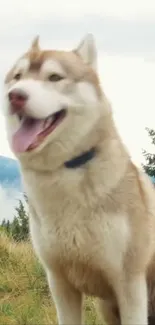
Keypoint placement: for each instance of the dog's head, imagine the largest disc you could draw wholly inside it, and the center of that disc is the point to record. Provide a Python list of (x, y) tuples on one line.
[(52, 97)]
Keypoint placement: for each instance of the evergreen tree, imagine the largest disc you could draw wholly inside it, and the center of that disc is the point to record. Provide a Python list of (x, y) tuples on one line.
[(19, 227), (149, 166), (20, 224), (8, 226), (3, 224)]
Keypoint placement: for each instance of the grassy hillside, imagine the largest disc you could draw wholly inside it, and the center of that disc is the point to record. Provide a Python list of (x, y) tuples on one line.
[(24, 294)]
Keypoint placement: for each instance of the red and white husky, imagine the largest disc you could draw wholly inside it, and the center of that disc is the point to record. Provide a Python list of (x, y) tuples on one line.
[(92, 212)]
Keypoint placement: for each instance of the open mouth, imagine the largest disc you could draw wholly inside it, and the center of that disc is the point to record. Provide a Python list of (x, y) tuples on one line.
[(33, 131)]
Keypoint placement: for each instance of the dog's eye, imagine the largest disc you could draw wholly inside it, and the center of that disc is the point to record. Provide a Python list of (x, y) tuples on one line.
[(17, 76), (55, 77)]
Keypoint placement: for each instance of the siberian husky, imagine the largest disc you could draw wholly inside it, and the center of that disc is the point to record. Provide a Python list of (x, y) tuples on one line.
[(92, 212)]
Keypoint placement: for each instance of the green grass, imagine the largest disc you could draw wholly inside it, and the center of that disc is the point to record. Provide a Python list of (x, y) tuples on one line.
[(24, 294)]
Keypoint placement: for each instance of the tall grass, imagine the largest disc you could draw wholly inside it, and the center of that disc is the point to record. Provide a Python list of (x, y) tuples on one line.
[(24, 295)]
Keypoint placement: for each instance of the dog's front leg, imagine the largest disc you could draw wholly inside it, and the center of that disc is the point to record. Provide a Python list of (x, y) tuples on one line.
[(108, 310), (132, 300), (68, 300)]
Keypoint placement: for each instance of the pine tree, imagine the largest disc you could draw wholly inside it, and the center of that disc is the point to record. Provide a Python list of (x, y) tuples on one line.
[(8, 226), (16, 229), (20, 224), (149, 166), (19, 227), (5, 226)]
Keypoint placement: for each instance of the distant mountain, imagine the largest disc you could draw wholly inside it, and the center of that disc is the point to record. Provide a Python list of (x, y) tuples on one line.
[(10, 174)]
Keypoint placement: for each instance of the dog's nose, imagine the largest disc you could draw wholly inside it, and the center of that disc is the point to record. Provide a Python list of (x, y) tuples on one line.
[(17, 99)]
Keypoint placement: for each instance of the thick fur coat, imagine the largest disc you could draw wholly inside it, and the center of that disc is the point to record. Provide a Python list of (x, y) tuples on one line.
[(93, 227)]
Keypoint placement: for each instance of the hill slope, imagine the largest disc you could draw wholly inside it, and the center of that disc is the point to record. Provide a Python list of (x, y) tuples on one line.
[(24, 293)]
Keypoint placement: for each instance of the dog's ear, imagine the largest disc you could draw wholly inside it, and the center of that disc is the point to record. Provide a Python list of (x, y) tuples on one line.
[(35, 44), (87, 51)]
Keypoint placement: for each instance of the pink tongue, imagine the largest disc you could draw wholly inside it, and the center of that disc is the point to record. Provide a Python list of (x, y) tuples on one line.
[(27, 134)]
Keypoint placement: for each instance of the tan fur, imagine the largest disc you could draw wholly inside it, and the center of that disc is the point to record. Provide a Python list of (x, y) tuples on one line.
[(92, 227)]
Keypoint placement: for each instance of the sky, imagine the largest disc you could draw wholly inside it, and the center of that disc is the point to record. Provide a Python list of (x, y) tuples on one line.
[(9, 199), (125, 38)]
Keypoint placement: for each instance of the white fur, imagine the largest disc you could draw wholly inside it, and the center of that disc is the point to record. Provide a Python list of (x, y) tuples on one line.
[(87, 51), (22, 66), (42, 101), (116, 230), (68, 300), (50, 67), (87, 93), (132, 295), (92, 227), (47, 98)]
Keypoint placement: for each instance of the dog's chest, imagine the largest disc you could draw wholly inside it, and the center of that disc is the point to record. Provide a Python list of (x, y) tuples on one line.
[(65, 237), (71, 229), (75, 247), (61, 211)]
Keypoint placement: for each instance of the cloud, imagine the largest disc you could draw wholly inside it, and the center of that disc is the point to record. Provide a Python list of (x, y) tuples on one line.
[(8, 201), (129, 84), (113, 34), (125, 34), (18, 10)]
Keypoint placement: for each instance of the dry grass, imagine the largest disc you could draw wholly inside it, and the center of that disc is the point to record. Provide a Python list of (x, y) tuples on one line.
[(24, 293)]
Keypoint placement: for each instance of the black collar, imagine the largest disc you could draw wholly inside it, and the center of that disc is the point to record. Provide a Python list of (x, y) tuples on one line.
[(81, 160)]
